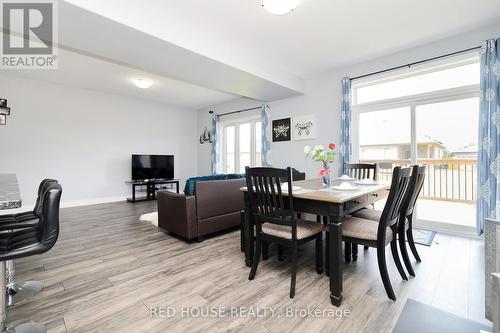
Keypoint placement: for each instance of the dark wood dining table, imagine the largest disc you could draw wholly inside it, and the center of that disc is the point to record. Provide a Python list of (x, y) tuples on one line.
[(333, 205)]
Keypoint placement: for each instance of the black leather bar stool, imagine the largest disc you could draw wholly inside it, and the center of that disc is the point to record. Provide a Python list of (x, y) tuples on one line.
[(17, 241), (24, 291)]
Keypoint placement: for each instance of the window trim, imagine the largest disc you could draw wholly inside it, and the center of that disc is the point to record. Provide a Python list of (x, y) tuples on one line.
[(465, 59), (410, 101), (253, 149)]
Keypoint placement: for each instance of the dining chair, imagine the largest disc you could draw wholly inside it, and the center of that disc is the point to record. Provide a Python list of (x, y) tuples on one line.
[(359, 171), (275, 218), (405, 231), (378, 235)]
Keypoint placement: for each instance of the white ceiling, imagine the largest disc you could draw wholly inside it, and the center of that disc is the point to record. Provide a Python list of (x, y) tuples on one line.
[(201, 53), (318, 35), (92, 73)]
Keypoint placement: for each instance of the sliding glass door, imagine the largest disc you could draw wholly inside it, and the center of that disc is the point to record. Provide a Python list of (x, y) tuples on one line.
[(427, 115)]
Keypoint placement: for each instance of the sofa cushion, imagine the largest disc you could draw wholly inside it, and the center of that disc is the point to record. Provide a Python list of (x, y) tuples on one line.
[(219, 197), (190, 187)]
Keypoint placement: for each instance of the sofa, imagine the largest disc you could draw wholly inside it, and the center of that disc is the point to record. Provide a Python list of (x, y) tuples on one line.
[(209, 204), (214, 207)]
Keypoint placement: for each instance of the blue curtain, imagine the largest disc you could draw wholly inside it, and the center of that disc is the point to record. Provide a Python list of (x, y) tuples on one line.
[(266, 143), (214, 153), (488, 162), (345, 152)]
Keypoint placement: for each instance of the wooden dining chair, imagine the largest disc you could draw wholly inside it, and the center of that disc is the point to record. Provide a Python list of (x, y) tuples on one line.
[(275, 219), (407, 210), (379, 235), (359, 171), (405, 231)]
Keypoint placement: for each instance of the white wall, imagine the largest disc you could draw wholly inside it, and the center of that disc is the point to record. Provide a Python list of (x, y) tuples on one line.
[(322, 98), (85, 138)]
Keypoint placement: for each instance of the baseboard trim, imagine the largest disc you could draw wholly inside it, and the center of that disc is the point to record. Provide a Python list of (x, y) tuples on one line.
[(68, 204), (94, 201), (447, 228)]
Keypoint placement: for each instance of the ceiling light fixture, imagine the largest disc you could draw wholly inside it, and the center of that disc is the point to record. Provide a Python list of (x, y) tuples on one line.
[(143, 83), (280, 7)]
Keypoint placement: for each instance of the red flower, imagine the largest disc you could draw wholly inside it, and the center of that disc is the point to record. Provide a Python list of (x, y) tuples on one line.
[(331, 146), (324, 172)]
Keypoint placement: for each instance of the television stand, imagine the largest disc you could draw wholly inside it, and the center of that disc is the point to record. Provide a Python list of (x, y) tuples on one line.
[(151, 188)]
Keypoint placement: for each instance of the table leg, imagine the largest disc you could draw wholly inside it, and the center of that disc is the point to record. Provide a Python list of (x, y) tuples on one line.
[(335, 259), (249, 236), (177, 185)]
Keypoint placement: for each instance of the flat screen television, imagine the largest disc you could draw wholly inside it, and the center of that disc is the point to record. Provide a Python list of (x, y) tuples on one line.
[(152, 167)]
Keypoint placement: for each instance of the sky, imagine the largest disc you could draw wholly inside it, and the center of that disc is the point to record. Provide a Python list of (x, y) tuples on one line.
[(455, 124)]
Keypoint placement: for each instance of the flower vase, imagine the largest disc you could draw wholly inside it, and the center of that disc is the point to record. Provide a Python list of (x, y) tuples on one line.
[(325, 176)]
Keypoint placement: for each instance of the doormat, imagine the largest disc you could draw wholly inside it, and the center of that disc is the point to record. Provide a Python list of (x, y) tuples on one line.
[(423, 237)]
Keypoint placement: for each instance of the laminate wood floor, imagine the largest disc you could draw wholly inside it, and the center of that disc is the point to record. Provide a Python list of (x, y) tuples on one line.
[(109, 272)]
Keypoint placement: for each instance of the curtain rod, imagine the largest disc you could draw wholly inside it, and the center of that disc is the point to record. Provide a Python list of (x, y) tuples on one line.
[(416, 63), (237, 111)]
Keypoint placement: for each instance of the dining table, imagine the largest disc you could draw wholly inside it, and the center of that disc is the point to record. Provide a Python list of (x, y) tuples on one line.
[(333, 205)]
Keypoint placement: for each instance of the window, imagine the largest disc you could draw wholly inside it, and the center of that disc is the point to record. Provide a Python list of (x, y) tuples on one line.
[(241, 142), (425, 115)]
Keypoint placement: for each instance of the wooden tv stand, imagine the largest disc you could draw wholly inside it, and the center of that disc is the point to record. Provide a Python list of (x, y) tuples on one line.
[(151, 188)]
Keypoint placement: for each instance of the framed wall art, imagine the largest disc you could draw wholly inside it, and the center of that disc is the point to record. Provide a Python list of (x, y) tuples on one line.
[(304, 127), (281, 130)]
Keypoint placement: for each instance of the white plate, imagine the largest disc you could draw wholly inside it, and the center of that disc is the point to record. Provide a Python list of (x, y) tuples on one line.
[(346, 179), (341, 188), (360, 182)]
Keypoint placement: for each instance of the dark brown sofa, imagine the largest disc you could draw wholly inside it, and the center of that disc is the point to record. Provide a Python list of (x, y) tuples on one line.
[(215, 207)]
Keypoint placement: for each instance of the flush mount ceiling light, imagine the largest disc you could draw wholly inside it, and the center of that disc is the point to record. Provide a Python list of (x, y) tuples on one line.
[(280, 7), (143, 83)]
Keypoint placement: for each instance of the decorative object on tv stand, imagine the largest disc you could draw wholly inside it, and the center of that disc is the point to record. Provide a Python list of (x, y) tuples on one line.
[(304, 127), (281, 130), (324, 155), (206, 136), (4, 111)]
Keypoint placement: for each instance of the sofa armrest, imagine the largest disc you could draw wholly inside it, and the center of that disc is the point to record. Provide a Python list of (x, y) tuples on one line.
[(177, 214)]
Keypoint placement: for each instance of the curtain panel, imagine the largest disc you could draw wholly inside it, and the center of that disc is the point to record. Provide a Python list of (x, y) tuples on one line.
[(265, 142), (345, 125), (214, 153), (488, 161)]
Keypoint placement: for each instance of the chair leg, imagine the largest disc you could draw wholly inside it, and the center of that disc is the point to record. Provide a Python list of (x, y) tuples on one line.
[(382, 266), (28, 327), (397, 261), (294, 270), (327, 245), (281, 251), (256, 258), (265, 250), (404, 253), (411, 243), (354, 252), (319, 253), (242, 230), (347, 252)]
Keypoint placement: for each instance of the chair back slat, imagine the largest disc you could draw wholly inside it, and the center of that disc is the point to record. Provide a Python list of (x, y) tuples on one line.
[(265, 193), (361, 171), (414, 188), (390, 214)]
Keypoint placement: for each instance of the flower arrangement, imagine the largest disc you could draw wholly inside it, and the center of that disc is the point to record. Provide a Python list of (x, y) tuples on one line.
[(325, 156)]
